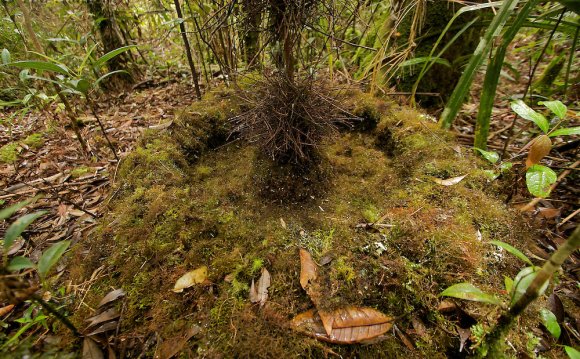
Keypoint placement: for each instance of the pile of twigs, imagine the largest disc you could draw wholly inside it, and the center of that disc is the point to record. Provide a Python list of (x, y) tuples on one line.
[(290, 119)]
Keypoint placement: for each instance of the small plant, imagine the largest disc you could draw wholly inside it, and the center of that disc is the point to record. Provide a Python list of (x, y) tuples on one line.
[(13, 287), (528, 284), (539, 178)]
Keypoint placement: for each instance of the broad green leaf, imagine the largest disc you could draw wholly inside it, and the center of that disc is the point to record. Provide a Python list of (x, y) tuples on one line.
[(41, 66), (9, 211), (468, 291), (557, 107), (18, 227), (512, 250), (572, 353), (522, 281), (508, 283), (5, 56), (19, 263), (566, 132), (109, 55), (81, 85), (491, 156), (539, 179), (550, 322), (420, 60), (50, 257), (526, 112)]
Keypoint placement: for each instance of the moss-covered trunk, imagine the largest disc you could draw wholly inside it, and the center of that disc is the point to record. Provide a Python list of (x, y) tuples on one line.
[(440, 79)]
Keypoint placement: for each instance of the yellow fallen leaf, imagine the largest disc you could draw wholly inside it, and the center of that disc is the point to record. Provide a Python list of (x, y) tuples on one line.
[(190, 279), (449, 181)]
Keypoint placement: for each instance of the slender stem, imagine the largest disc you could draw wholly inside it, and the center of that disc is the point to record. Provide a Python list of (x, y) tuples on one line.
[(571, 59), (506, 320), (64, 320), (187, 49), (92, 107), (529, 84)]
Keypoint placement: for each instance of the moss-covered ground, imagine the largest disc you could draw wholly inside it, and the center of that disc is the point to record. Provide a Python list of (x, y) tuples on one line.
[(189, 196)]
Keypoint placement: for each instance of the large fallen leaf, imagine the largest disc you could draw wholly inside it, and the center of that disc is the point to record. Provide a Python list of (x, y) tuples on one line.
[(111, 297), (308, 269), (190, 279), (449, 181), (91, 350), (259, 293), (105, 316), (308, 277), (171, 347), (539, 149), (345, 325)]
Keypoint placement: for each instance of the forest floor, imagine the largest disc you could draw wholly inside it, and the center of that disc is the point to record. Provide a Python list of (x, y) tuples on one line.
[(78, 188)]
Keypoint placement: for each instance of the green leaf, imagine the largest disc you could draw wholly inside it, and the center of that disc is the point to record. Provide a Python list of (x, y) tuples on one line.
[(41, 66), (491, 156), (24, 75), (539, 179), (420, 60), (522, 281), (5, 56), (505, 166), (508, 283), (18, 227), (468, 291), (81, 85), (572, 353), (19, 263), (9, 211), (512, 250), (529, 114), (491, 174), (550, 322), (50, 257), (109, 55), (557, 107), (566, 132)]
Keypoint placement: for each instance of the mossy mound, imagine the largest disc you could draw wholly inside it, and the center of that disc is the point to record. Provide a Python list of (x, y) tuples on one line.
[(186, 198)]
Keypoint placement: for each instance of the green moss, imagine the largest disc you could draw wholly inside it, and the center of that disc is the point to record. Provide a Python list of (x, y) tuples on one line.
[(9, 152), (173, 213), (34, 141), (80, 171)]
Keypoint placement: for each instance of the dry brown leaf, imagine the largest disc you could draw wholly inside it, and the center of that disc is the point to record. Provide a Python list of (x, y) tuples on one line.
[(259, 293), (105, 316), (190, 279), (540, 148), (111, 297), (5, 310), (91, 350), (549, 213), (348, 325), (171, 347), (308, 269), (104, 328), (449, 181)]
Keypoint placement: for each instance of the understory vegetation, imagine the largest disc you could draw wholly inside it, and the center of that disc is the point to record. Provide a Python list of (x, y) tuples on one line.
[(289, 178)]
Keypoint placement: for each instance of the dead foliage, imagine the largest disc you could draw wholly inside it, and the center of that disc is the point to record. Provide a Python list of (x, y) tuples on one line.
[(289, 119)]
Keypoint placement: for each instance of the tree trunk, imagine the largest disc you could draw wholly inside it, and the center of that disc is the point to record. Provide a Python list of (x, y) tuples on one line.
[(105, 22), (251, 36)]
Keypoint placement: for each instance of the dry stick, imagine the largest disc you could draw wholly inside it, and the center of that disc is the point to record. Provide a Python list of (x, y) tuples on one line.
[(535, 201), (92, 107), (529, 84), (532, 292), (187, 49), (40, 50)]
